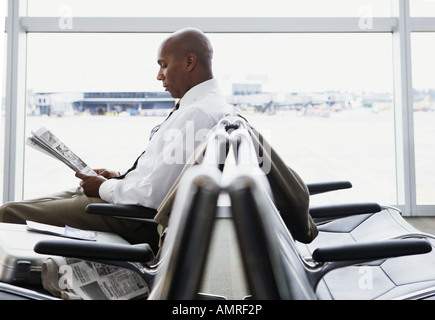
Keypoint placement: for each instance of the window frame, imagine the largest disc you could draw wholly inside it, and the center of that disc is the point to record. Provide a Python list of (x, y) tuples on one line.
[(400, 25)]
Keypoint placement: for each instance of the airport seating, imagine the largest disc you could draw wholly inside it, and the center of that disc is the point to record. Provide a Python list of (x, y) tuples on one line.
[(374, 255), (177, 273), (277, 266), (14, 292), (396, 268), (146, 215)]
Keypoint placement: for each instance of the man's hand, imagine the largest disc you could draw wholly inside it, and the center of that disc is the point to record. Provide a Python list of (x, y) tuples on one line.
[(91, 184), (107, 173)]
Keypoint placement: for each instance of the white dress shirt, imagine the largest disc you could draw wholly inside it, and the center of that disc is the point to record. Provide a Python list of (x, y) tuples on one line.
[(200, 110)]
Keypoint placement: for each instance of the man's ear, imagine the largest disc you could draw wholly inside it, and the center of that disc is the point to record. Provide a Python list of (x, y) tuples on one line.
[(191, 60)]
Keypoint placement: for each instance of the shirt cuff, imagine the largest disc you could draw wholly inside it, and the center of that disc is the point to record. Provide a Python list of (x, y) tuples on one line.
[(106, 190)]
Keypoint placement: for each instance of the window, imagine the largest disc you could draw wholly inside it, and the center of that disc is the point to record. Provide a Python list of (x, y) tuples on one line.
[(317, 54), (315, 95), (3, 72), (73, 78), (199, 8), (2, 119), (422, 8), (424, 115), (326, 105)]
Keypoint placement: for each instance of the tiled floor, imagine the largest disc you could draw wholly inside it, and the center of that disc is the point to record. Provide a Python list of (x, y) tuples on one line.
[(224, 272), (425, 224)]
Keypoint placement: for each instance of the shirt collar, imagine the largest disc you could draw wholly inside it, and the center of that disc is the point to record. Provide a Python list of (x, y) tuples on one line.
[(197, 91)]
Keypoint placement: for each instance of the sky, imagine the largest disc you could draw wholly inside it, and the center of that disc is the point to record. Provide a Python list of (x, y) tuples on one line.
[(282, 62)]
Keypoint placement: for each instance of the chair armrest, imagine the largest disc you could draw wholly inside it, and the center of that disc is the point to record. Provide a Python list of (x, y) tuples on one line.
[(321, 187), (343, 210), (121, 210), (372, 251), (95, 251)]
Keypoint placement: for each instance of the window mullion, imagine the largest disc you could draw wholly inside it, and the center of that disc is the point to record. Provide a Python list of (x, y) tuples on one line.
[(15, 110), (403, 97), (215, 25)]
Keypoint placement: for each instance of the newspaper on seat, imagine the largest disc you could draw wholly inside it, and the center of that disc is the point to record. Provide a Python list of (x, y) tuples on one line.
[(67, 231), (45, 141), (75, 279)]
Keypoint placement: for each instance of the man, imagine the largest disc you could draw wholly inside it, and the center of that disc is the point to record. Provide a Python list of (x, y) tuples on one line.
[(185, 60)]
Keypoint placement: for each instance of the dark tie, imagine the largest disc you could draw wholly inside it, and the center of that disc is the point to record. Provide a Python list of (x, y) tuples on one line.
[(153, 131), (157, 127)]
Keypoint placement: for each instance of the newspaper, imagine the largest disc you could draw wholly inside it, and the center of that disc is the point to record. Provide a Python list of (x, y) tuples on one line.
[(70, 278), (45, 141), (67, 231)]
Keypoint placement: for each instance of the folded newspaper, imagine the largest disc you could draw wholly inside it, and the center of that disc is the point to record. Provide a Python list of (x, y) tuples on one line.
[(74, 279), (67, 231), (45, 141)]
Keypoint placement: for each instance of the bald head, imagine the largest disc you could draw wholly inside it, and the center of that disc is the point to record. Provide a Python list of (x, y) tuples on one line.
[(190, 40), (186, 57)]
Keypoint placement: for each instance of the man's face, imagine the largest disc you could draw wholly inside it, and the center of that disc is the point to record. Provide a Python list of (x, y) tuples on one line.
[(172, 72)]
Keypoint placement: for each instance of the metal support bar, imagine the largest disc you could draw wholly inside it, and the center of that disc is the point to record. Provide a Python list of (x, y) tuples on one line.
[(15, 113), (217, 25), (403, 111)]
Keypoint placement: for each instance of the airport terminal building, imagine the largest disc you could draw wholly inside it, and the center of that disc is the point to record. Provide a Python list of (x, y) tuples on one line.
[(100, 103)]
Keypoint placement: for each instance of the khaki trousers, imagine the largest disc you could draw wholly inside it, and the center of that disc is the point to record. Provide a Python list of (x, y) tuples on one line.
[(68, 208)]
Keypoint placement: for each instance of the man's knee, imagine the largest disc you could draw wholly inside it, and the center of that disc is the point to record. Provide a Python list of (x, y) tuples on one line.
[(9, 213)]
